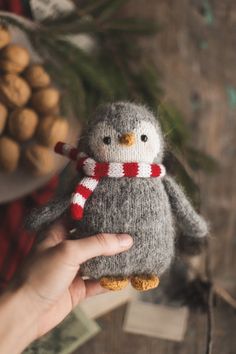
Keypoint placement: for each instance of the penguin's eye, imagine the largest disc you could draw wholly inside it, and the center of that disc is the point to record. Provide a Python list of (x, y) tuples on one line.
[(144, 138), (107, 140)]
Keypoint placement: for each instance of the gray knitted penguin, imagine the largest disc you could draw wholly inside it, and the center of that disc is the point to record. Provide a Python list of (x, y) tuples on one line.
[(123, 189)]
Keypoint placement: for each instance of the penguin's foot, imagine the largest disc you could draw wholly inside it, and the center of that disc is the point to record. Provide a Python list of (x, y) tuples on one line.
[(144, 282), (114, 283)]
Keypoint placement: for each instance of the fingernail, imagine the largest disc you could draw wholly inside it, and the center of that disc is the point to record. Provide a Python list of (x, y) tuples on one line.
[(125, 240)]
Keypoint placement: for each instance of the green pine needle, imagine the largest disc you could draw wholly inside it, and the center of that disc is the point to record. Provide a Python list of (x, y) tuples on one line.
[(198, 160), (173, 125)]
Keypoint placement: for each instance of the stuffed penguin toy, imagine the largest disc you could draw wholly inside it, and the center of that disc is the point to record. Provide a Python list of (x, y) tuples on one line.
[(122, 187)]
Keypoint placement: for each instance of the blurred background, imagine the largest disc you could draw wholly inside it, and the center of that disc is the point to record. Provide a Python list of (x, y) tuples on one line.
[(178, 57)]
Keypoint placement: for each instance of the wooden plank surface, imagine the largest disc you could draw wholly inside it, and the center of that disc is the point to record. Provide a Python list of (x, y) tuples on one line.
[(195, 54)]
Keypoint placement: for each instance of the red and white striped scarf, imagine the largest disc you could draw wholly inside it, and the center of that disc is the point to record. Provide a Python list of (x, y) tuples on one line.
[(94, 171)]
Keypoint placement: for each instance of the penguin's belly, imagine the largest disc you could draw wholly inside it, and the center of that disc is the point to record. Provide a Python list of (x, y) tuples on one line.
[(139, 207)]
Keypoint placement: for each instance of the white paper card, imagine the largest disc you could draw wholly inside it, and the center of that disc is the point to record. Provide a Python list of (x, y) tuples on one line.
[(156, 320), (97, 306)]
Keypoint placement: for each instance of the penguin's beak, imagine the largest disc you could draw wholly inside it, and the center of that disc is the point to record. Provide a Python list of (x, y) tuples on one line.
[(127, 139)]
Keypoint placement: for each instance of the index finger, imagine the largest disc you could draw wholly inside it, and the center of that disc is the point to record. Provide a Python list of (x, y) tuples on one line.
[(54, 235)]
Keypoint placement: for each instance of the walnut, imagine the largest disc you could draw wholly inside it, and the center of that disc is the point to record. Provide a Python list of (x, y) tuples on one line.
[(39, 160), (5, 36), (52, 129), (9, 154), (22, 123), (3, 117), (54, 111), (45, 100), (37, 77), (14, 91), (14, 59)]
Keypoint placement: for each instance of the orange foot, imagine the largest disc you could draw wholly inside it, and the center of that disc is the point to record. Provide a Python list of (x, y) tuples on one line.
[(144, 282), (114, 283)]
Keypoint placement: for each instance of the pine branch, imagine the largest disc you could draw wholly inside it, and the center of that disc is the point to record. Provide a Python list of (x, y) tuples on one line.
[(174, 126), (111, 9), (72, 25), (12, 20), (115, 71), (134, 26), (198, 160)]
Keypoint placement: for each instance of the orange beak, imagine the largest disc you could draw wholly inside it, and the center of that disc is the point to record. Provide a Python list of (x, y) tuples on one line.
[(127, 139)]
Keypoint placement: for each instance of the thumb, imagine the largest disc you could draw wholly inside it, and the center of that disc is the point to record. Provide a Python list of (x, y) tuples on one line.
[(79, 251)]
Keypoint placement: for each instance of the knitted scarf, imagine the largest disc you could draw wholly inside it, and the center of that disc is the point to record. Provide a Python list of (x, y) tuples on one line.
[(94, 171)]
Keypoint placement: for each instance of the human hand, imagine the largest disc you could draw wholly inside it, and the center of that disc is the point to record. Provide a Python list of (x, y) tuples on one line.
[(49, 282)]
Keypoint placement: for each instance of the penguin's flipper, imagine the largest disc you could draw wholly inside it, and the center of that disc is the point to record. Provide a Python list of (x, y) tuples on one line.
[(40, 218), (190, 222), (45, 215)]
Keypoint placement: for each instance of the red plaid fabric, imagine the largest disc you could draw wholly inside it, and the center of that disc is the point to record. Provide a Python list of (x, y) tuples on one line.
[(15, 242), (13, 6)]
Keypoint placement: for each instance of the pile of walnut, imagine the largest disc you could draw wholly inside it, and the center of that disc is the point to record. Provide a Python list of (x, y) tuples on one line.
[(29, 121)]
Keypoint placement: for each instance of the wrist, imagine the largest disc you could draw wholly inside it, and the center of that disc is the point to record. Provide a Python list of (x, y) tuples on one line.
[(18, 327)]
